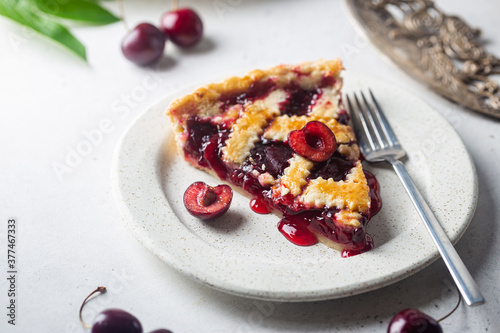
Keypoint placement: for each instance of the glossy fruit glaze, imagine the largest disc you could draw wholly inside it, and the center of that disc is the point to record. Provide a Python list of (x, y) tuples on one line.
[(299, 225), (259, 206)]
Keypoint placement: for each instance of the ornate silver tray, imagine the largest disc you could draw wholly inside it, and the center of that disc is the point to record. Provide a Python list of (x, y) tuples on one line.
[(438, 49)]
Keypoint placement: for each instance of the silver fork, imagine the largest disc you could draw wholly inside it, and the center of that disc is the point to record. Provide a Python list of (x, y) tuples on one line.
[(378, 142)]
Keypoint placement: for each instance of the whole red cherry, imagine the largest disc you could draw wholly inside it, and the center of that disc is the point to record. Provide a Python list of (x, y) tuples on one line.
[(144, 44), (116, 320), (413, 321), (183, 27)]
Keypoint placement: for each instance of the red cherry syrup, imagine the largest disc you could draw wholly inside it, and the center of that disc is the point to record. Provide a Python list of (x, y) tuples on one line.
[(259, 206), (297, 233)]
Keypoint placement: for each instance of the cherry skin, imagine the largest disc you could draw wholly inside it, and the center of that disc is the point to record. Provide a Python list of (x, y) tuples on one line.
[(207, 202), (116, 321), (413, 321), (144, 45), (182, 26), (161, 330), (314, 141)]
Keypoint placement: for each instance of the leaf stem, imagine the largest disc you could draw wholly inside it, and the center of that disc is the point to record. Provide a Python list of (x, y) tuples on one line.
[(99, 289)]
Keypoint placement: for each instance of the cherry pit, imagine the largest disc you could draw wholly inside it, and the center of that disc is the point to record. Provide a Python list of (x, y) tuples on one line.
[(145, 44)]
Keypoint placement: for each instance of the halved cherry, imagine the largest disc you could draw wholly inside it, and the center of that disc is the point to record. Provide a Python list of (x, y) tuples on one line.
[(314, 141), (207, 202)]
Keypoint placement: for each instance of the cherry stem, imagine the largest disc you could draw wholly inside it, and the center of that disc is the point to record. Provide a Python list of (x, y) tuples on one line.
[(175, 4), (454, 309), (121, 10), (98, 290)]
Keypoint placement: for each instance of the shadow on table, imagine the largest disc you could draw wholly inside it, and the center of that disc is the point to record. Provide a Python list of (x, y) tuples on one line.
[(167, 61), (207, 44)]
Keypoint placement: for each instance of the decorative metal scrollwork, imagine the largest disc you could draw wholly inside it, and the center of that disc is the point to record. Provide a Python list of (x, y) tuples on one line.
[(438, 49)]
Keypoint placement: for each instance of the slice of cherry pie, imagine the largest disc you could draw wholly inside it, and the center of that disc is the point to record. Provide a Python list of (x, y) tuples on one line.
[(283, 137)]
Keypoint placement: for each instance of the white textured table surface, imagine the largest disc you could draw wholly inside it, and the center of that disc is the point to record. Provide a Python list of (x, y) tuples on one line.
[(70, 235)]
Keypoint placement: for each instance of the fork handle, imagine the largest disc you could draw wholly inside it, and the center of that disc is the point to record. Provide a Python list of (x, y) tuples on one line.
[(466, 284)]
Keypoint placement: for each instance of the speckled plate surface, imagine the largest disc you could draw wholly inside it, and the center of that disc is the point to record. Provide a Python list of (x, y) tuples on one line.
[(243, 253)]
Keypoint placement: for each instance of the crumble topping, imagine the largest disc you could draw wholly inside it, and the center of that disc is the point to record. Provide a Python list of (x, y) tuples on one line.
[(230, 116), (327, 106), (283, 125), (295, 176), (353, 193), (349, 218), (246, 132), (351, 152), (266, 179)]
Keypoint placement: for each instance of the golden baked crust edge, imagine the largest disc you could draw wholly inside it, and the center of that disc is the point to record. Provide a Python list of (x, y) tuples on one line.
[(201, 99)]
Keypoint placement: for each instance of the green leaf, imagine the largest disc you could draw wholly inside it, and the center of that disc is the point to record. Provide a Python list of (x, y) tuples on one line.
[(79, 10), (26, 13)]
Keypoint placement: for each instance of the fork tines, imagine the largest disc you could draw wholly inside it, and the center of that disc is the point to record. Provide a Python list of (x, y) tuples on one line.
[(378, 143), (372, 128)]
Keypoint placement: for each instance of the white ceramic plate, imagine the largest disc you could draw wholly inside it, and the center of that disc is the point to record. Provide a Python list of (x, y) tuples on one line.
[(243, 253)]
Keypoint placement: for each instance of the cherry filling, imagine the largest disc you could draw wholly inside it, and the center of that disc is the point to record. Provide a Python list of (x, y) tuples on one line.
[(376, 201), (259, 206), (296, 231), (199, 135), (258, 90), (343, 117), (269, 156), (309, 223), (336, 167), (299, 225), (299, 101)]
